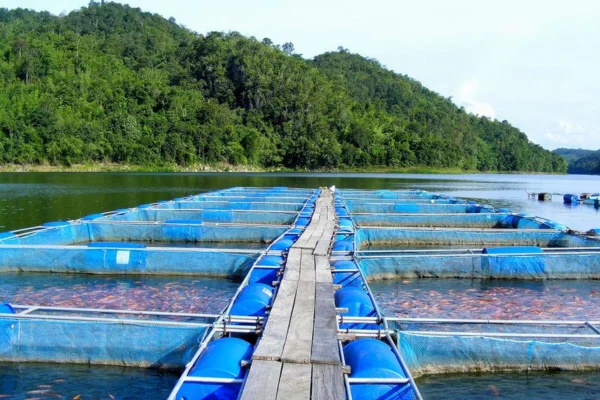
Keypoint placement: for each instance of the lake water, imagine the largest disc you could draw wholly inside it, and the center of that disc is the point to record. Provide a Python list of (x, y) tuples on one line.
[(29, 199), (511, 386), (58, 381)]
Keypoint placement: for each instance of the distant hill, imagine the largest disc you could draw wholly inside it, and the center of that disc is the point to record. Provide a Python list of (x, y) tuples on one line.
[(110, 83), (581, 161)]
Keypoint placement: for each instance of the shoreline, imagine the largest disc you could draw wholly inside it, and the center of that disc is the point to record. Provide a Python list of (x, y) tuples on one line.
[(199, 168)]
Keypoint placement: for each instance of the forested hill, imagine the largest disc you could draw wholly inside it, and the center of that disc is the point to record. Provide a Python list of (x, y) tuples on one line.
[(109, 83), (581, 161)]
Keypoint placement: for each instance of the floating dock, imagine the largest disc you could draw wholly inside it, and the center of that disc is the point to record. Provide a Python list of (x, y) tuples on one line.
[(303, 323)]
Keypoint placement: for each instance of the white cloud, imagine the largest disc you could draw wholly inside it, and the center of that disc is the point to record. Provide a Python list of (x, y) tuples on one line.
[(467, 97), (571, 134)]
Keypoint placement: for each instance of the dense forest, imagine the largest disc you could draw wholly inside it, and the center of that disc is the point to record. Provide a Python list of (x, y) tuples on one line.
[(581, 161), (110, 83)]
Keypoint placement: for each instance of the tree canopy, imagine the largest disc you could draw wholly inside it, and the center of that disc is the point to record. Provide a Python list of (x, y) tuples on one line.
[(110, 83), (581, 161)]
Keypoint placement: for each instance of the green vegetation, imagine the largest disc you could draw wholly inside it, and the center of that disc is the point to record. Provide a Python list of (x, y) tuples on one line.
[(581, 161), (111, 84)]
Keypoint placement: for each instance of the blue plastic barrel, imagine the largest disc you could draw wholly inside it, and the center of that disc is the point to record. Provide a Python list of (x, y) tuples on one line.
[(143, 206), (253, 300), (272, 261), (356, 300), (570, 198), (295, 231), (358, 303), (346, 278), (371, 358), (221, 359), (6, 308), (264, 275), (282, 244), (303, 221), (343, 245), (345, 222)]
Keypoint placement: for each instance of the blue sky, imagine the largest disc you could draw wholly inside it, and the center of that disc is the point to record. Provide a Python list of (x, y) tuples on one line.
[(534, 63)]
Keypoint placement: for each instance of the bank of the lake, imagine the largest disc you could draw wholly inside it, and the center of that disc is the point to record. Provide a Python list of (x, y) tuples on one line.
[(225, 167)]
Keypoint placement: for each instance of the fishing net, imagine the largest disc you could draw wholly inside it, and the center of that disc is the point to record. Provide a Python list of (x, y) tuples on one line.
[(574, 265), (233, 205), (121, 261), (495, 220), (437, 237), (216, 216), (139, 345), (431, 354)]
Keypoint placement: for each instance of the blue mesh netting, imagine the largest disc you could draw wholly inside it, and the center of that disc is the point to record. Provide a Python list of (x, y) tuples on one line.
[(150, 232), (439, 237), (227, 216), (495, 220), (418, 208), (139, 345), (233, 205), (123, 261), (544, 266), (428, 354)]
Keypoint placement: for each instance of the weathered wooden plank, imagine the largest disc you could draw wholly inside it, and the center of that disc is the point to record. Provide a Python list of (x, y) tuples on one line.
[(322, 247), (298, 344), (327, 382), (292, 265), (294, 383), (262, 381), (306, 291), (272, 342), (322, 269), (325, 348), (307, 266)]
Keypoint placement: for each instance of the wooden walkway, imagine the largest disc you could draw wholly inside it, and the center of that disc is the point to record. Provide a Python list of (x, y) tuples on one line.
[(297, 356)]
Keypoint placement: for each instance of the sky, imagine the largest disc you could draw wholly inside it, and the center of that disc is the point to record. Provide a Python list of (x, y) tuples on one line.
[(533, 63)]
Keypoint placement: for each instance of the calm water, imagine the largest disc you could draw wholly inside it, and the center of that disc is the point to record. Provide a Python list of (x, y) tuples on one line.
[(56, 381), (512, 386), (482, 299), (28, 199), (150, 293)]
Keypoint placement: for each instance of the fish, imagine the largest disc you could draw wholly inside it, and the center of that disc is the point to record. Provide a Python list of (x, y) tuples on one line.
[(494, 390), (44, 386), (43, 391), (77, 397), (111, 396), (579, 381)]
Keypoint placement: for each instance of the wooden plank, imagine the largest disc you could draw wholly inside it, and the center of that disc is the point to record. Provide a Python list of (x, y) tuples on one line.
[(294, 383), (327, 382), (306, 291), (262, 381), (322, 247), (292, 265), (307, 266), (325, 348), (272, 342), (298, 344), (322, 269)]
